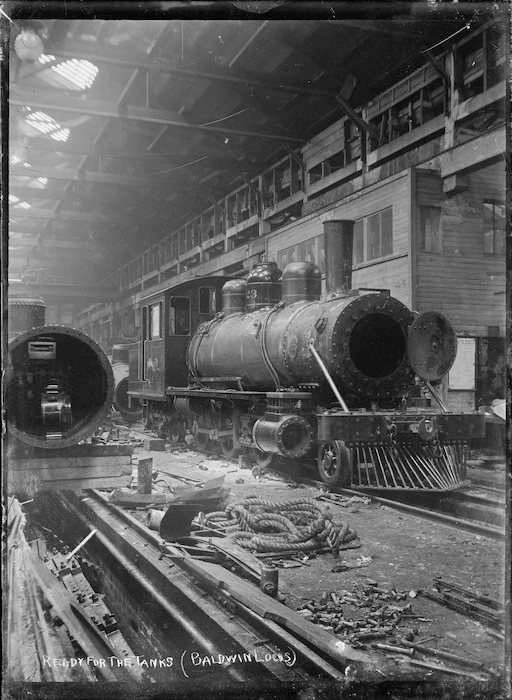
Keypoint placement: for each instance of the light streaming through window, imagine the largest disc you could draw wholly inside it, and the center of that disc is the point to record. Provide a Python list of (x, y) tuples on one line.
[(47, 125), (76, 73)]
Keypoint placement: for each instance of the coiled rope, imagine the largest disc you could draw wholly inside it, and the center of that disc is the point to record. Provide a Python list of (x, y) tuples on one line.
[(273, 526)]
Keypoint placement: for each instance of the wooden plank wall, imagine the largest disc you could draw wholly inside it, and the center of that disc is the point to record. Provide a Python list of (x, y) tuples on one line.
[(462, 282), (324, 145), (392, 274)]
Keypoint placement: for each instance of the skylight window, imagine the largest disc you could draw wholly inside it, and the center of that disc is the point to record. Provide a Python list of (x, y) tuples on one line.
[(47, 125), (18, 203), (76, 73), (15, 160), (42, 180)]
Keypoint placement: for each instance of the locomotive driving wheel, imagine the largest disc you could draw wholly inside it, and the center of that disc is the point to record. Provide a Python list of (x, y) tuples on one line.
[(202, 439), (333, 463), (261, 459), (226, 441)]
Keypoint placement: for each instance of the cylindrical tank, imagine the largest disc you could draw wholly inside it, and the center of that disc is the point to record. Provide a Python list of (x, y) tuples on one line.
[(59, 386), (129, 408), (338, 244), (302, 281), (24, 314), (120, 353), (264, 286), (361, 340), (234, 297), (289, 435)]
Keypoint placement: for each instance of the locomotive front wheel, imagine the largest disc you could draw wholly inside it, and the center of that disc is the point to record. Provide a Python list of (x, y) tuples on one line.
[(261, 459), (333, 463)]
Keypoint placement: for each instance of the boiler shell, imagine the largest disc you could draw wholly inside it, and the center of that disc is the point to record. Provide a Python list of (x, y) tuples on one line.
[(237, 346), (82, 370)]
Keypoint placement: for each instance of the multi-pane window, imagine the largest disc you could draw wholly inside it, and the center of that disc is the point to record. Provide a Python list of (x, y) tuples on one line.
[(358, 242), (431, 229), (311, 250), (207, 300), (373, 237), (494, 228)]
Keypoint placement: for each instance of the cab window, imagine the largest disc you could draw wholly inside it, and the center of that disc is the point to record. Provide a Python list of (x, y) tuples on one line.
[(179, 316), (155, 321), (207, 300)]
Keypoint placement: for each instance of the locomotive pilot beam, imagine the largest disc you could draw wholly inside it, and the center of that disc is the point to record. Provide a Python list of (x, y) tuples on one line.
[(281, 371)]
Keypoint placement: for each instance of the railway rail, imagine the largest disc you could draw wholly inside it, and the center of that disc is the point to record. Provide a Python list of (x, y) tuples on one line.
[(473, 507), (477, 506), (218, 619)]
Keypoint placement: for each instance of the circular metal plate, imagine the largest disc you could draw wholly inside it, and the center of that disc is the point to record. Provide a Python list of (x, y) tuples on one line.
[(431, 345)]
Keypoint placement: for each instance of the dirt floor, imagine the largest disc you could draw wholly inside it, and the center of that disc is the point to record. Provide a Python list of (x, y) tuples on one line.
[(398, 551)]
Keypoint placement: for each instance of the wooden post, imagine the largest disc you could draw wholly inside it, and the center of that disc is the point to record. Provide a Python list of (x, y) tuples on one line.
[(145, 475)]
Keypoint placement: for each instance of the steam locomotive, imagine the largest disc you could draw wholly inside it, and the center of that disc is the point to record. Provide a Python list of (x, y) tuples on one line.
[(59, 384), (276, 369)]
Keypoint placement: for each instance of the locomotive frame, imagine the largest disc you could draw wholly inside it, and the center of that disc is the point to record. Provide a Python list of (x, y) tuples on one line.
[(304, 375)]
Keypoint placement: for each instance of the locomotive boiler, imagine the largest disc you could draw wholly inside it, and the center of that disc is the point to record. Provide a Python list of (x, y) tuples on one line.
[(283, 371), (58, 382)]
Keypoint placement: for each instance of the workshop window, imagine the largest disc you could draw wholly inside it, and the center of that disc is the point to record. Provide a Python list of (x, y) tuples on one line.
[(207, 303), (431, 229), (373, 237), (358, 242), (155, 321), (307, 251), (494, 228), (179, 316)]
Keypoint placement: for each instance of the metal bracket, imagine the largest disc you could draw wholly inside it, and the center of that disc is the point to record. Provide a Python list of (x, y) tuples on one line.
[(354, 117)]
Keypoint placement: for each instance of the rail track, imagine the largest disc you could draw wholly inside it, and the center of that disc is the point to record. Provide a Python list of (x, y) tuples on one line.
[(211, 622), (478, 506)]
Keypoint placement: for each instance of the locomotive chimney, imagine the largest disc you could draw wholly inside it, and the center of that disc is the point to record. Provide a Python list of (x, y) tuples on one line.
[(338, 240)]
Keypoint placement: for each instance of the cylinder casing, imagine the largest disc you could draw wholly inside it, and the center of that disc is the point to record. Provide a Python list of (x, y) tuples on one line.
[(290, 435)]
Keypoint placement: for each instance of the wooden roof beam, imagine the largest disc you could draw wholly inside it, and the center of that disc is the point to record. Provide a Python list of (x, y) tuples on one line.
[(138, 181), (23, 98), (55, 292), (83, 50)]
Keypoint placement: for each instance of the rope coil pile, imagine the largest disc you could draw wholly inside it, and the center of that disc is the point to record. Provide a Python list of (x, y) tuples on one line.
[(273, 526)]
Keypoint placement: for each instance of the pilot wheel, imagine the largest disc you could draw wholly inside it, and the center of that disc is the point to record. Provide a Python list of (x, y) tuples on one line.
[(333, 463)]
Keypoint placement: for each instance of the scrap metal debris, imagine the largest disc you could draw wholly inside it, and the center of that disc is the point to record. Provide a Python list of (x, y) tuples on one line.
[(380, 613)]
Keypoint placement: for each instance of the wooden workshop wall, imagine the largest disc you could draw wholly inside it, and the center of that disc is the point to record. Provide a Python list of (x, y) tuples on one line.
[(392, 272)]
